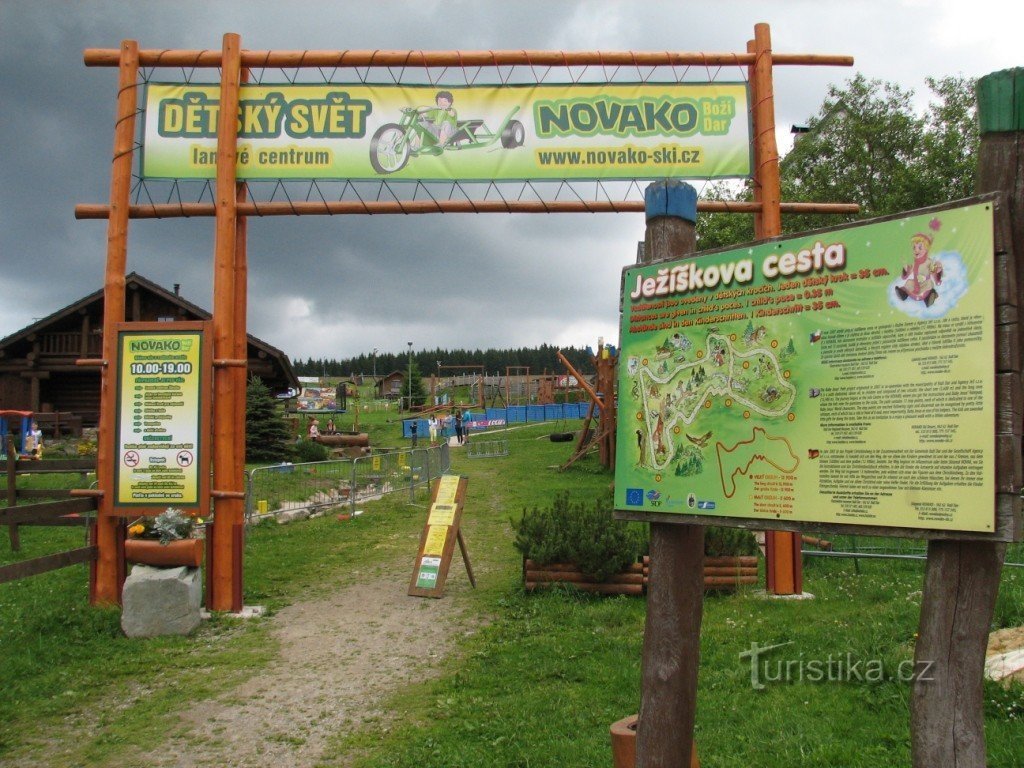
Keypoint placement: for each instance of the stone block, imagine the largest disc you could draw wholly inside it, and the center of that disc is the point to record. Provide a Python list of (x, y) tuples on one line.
[(161, 601)]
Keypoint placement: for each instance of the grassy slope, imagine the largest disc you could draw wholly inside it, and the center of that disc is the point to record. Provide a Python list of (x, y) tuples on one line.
[(537, 686)]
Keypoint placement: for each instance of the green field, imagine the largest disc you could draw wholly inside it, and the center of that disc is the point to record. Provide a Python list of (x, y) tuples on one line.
[(537, 682)]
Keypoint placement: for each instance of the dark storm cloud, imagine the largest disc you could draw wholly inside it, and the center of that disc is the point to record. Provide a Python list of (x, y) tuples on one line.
[(344, 285)]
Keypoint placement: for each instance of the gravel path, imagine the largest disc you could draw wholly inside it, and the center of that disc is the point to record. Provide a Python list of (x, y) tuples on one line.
[(340, 656)]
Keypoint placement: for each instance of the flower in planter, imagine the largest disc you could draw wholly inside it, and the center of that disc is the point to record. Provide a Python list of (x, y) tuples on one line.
[(170, 525)]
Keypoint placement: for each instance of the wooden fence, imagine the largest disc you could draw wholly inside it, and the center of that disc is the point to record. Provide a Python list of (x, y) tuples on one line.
[(62, 510)]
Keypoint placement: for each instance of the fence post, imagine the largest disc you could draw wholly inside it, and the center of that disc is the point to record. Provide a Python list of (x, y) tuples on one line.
[(352, 488), (249, 509), (947, 724), (12, 489)]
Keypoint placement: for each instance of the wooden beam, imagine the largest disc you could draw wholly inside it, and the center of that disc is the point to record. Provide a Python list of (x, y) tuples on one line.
[(192, 59), (675, 592), (414, 207), (46, 563), (228, 511), (109, 568)]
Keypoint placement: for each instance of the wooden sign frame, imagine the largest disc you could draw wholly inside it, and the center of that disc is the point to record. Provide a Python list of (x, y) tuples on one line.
[(443, 522), (1008, 525), (199, 455)]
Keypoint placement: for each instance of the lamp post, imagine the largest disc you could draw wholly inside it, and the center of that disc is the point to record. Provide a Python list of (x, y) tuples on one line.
[(410, 375), (375, 372)]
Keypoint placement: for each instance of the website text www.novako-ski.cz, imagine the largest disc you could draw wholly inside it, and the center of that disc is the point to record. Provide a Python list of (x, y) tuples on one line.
[(604, 157)]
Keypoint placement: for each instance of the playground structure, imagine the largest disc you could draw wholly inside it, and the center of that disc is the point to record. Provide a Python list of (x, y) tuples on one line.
[(478, 382), (17, 425), (602, 403)]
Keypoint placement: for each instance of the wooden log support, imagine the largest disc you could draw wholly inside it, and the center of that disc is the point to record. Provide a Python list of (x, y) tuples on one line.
[(228, 438), (411, 207), (785, 566), (109, 568), (962, 577), (671, 652), (675, 592), (192, 59)]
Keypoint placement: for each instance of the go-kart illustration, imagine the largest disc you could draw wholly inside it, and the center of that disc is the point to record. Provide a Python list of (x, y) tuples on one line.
[(417, 133)]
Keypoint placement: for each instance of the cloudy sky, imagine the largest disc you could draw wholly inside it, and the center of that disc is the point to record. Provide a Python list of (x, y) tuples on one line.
[(340, 286)]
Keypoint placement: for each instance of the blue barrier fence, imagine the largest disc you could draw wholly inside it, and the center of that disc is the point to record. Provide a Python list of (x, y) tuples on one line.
[(496, 417)]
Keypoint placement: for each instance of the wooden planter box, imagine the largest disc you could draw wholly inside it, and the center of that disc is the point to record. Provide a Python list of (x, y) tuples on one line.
[(720, 573), (630, 582), (187, 552), (623, 734)]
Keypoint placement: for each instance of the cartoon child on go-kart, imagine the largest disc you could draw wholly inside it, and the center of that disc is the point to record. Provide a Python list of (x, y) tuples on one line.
[(434, 130)]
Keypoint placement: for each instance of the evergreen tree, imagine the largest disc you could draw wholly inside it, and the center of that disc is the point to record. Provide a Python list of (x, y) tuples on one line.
[(267, 437), (418, 393)]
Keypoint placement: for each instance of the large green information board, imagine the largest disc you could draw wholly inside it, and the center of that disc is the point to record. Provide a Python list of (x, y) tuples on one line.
[(161, 422), (845, 377)]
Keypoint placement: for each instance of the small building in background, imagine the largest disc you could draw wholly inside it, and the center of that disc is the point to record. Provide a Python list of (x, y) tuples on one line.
[(38, 371)]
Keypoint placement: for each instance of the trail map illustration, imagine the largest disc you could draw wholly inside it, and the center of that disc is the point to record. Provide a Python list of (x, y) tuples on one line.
[(845, 376), (678, 382)]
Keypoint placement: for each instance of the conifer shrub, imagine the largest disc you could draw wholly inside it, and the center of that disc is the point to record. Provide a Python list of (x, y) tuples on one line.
[(267, 437), (728, 542), (581, 533)]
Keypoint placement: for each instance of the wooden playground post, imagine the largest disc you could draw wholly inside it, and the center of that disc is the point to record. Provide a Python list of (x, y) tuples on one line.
[(784, 563), (224, 572), (675, 592), (109, 571), (962, 577)]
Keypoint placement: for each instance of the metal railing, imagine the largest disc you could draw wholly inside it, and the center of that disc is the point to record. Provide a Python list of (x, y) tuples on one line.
[(859, 548), (486, 449), (311, 487)]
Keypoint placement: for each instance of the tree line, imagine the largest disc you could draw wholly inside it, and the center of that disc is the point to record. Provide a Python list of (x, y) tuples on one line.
[(495, 361)]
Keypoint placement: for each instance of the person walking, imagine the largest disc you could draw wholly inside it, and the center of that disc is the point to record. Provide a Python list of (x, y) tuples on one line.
[(432, 426), (458, 427)]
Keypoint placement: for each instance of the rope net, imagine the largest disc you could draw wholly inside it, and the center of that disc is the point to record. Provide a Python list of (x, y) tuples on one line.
[(418, 195)]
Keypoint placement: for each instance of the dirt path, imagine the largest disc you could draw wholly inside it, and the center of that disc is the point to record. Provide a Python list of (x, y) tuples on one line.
[(340, 656)]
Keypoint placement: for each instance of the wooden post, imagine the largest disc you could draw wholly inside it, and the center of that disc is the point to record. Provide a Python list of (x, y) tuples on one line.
[(239, 376), (675, 593), (109, 533), (12, 490), (756, 188), (228, 434), (962, 578), (785, 566)]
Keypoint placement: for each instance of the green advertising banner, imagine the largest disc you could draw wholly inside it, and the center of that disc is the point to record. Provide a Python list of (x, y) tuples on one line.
[(841, 377), (159, 418), (446, 133)]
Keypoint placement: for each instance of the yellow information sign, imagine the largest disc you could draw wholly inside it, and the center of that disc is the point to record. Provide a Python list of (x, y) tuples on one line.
[(436, 536), (441, 514), (160, 419), (440, 535), (447, 487)]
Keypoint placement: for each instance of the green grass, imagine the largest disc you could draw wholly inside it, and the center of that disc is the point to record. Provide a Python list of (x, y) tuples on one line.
[(537, 684)]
